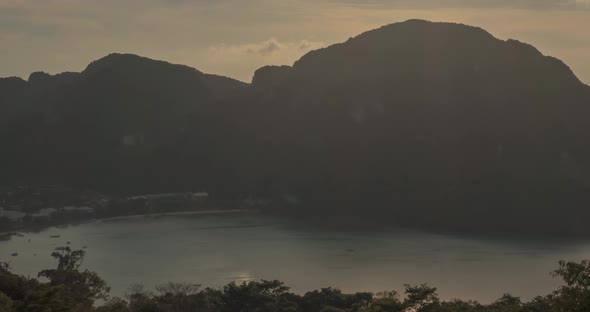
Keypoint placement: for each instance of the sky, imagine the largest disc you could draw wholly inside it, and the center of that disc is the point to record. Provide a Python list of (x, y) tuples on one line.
[(235, 37)]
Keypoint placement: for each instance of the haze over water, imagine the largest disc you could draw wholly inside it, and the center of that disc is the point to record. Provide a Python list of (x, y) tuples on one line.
[(215, 250)]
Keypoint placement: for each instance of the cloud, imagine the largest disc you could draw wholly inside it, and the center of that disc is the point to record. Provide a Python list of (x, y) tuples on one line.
[(245, 58), (305, 45), (266, 48), (273, 46), (521, 4), (270, 47)]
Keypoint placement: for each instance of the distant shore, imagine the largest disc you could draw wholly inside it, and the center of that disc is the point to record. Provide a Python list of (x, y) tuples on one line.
[(177, 213), (4, 235)]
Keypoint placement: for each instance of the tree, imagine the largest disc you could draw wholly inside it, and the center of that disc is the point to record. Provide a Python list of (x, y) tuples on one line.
[(541, 304), (4, 268), (114, 305), (331, 309), (575, 295), (178, 289), (83, 287), (507, 303), (457, 305), (6, 304), (328, 299), (420, 297), (142, 302), (257, 297), (387, 301), (178, 297), (68, 260), (325, 297)]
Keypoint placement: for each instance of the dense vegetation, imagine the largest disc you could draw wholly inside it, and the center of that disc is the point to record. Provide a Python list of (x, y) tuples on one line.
[(69, 288)]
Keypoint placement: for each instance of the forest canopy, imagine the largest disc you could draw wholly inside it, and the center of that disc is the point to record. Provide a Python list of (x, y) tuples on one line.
[(68, 287)]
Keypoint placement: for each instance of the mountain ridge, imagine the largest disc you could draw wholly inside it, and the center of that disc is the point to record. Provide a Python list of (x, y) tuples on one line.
[(441, 117)]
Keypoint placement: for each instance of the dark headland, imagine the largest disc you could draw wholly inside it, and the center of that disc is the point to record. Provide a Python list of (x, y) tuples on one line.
[(436, 125)]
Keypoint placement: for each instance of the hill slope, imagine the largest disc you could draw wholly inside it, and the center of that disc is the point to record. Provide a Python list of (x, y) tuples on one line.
[(117, 124), (436, 115), (436, 124)]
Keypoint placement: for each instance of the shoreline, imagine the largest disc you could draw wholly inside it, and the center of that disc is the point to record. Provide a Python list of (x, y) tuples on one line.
[(4, 235), (177, 213)]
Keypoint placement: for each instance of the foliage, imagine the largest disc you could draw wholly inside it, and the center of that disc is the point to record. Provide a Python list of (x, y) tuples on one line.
[(4, 267), (83, 287), (6, 304), (115, 305), (68, 288), (384, 301), (178, 289), (257, 296), (420, 297), (575, 295)]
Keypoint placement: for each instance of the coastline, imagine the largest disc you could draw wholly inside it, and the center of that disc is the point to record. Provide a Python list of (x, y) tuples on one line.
[(4, 235), (177, 213)]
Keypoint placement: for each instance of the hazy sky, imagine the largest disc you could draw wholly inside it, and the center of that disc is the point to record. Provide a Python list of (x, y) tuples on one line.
[(235, 37)]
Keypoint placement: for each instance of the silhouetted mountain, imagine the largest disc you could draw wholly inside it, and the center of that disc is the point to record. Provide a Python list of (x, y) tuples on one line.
[(111, 125), (435, 115), (11, 90), (436, 124)]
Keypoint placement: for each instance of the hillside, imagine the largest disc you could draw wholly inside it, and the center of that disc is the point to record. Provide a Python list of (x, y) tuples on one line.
[(115, 124), (434, 124), (434, 115)]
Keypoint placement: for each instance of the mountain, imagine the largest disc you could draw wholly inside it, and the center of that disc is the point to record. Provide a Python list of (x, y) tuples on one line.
[(107, 125), (435, 115), (418, 123)]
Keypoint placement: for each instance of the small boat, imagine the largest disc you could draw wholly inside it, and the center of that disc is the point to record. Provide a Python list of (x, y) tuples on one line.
[(55, 236), (84, 247), (68, 242), (15, 254)]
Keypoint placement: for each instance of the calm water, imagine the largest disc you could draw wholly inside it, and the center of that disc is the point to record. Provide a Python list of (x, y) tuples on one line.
[(214, 250)]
